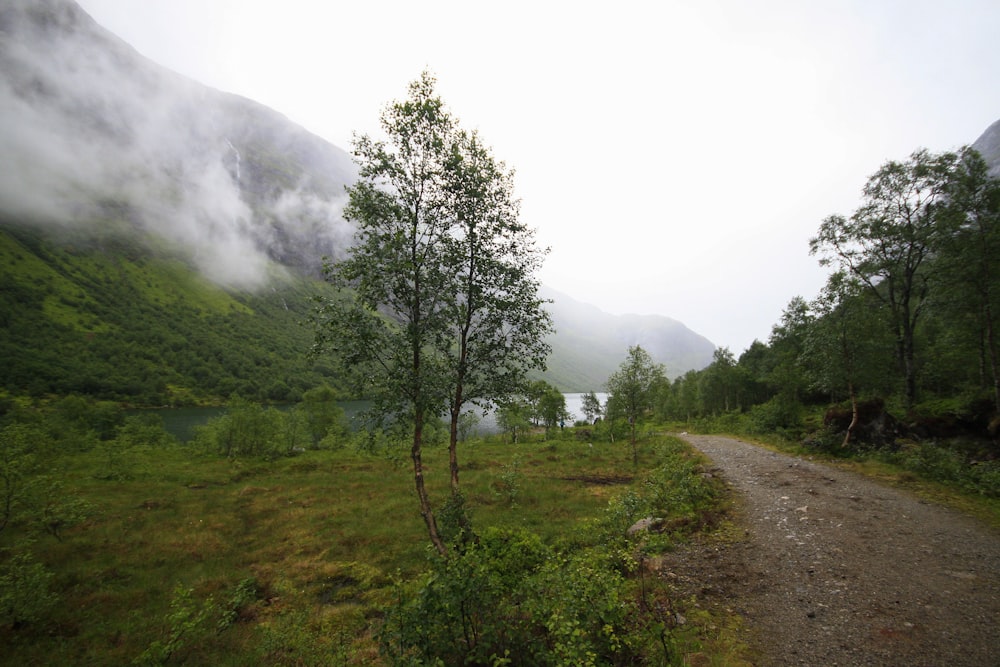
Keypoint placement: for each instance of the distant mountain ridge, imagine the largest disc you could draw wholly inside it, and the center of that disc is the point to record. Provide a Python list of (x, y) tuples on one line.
[(988, 145), (590, 344)]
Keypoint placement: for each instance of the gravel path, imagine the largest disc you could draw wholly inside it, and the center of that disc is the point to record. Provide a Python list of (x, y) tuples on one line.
[(837, 569)]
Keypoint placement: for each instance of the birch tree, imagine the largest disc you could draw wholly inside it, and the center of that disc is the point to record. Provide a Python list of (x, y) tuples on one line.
[(438, 306)]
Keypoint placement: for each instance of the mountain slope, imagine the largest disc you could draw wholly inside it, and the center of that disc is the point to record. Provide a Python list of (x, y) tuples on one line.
[(988, 145), (590, 344), (92, 130), (111, 319)]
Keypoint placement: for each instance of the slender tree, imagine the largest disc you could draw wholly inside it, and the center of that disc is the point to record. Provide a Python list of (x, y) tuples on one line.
[(720, 382), (888, 243), (498, 324), (591, 407), (785, 345), (550, 406), (633, 389), (688, 395), (840, 344), (439, 306), (386, 330)]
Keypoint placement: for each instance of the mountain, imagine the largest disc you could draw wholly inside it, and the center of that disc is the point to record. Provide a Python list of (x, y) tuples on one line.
[(160, 240), (95, 131), (988, 145), (590, 344)]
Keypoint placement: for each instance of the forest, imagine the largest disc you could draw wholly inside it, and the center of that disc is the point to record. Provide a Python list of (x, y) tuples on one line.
[(900, 344)]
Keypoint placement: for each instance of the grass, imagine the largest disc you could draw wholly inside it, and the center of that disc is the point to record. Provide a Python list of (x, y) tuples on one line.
[(319, 539)]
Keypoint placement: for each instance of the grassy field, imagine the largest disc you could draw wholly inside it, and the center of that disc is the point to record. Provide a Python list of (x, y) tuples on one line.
[(196, 559)]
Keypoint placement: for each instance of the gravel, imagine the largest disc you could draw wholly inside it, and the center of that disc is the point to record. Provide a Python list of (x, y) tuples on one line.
[(838, 569)]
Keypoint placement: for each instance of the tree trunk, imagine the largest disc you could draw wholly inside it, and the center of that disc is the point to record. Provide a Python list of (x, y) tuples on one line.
[(418, 477), (453, 447), (854, 415), (635, 450), (994, 361)]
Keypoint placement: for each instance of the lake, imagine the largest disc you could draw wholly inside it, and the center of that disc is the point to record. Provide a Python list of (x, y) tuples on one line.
[(181, 422)]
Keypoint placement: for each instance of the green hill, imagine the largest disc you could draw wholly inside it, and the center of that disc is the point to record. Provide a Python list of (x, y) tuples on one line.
[(113, 318)]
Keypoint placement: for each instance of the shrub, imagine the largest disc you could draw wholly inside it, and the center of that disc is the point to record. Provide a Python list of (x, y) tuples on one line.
[(55, 510), (186, 617), (509, 599), (508, 486), (17, 467), (242, 596), (250, 430), (454, 520), (942, 464), (24, 590), (985, 478), (780, 415), (583, 604), (623, 511), (676, 489), (469, 609)]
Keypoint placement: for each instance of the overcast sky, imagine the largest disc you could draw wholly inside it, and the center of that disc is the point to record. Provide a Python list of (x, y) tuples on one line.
[(675, 156)]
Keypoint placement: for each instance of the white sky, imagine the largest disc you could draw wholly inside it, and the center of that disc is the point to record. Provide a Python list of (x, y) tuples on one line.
[(675, 155)]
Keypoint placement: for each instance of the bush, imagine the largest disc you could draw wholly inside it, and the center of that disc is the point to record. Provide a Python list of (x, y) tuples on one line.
[(250, 430), (507, 598), (24, 590), (18, 464), (508, 486), (985, 478), (325, 418), (186, 617), (779, 415), (54, 510), (942, 464), (582, 601), (468, 609), (674, 492)]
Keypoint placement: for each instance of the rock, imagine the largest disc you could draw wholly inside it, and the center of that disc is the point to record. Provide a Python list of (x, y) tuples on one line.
[(643, 525)]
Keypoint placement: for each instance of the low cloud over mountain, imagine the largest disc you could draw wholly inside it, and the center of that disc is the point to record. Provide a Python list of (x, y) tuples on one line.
[(93, 131)]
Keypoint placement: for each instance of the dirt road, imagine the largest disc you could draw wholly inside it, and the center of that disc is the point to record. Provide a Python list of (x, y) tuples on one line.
[(839, 570)]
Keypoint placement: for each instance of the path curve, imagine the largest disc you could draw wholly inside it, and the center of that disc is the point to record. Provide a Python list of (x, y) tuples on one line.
[(837, 569)]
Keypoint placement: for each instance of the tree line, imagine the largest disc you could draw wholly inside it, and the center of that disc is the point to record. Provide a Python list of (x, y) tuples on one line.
[(907, 317)]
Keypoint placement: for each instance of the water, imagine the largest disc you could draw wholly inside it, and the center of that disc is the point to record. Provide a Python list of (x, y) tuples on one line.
[(181, 422), (574, 405)]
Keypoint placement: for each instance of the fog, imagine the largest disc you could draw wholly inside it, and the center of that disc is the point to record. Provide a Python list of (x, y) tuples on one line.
[(92, 130)]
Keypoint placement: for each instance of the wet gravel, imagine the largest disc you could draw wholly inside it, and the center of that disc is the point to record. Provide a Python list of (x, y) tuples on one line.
[(837, 569)]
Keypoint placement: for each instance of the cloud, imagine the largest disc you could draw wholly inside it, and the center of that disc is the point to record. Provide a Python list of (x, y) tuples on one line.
[(91, 127)]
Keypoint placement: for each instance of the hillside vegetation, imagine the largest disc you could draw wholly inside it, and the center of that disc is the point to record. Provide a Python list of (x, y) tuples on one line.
[(115, 318)]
